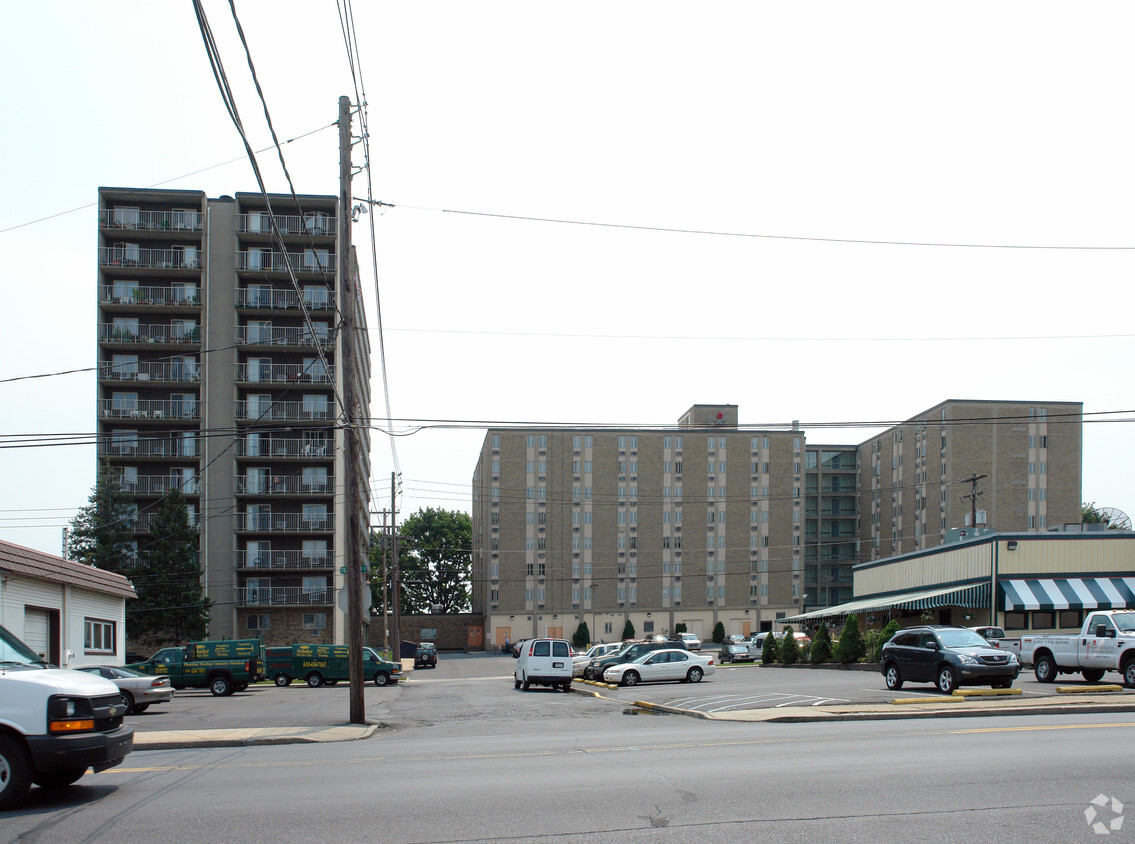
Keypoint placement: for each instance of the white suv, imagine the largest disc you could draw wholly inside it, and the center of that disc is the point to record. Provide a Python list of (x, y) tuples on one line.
[(544, 662)]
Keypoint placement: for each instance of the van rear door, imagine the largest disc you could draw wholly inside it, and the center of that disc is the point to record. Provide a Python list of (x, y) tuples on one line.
[(561, 657)]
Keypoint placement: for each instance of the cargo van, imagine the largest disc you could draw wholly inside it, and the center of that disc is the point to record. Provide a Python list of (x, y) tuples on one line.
[(320, 665), (544, 662)]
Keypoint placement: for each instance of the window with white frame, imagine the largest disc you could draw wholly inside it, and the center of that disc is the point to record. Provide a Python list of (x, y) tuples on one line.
[(314, 621), (98, 636)]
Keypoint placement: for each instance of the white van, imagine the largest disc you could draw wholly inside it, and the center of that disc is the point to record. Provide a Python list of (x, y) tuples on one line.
[(544, 662)]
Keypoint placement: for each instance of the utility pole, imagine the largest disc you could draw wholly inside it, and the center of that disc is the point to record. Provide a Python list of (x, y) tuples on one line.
[(395, 580), (354, 558), (972, 498), (385, 602)]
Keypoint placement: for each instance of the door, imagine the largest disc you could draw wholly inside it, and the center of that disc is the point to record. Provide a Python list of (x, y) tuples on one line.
[(501, 634), (555, 633), (476, 637), (1100, 651), (37, 631)]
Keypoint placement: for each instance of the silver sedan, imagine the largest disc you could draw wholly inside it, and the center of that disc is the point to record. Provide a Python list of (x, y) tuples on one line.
[(658, 666), (138, 689)]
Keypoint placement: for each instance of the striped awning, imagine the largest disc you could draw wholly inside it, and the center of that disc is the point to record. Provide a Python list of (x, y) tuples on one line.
[(970, 596), (1068, 593)]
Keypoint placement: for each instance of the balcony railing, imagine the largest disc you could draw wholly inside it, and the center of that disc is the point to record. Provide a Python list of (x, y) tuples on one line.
[(159, 371), (109, 295), (169, 334), (277, 596), (261, 260), (158, 259), (148, 447), (283, 411), (284, 300), (283, 373), (283, 485), (286, 523), (159, 485), (317, 225), (149, 409), (133, 219), (288, 447), (284, 559), (259, 335)]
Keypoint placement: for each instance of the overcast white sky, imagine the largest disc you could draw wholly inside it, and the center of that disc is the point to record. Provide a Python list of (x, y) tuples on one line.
[(966, 122)]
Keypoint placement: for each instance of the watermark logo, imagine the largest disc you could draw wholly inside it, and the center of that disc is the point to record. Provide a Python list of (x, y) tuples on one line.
[(1104, 815)]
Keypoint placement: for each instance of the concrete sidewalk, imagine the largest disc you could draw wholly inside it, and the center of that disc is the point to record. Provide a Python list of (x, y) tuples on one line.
[(177, 739)]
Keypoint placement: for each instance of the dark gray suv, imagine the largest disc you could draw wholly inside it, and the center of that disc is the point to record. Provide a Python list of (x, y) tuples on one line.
[(948, 657)]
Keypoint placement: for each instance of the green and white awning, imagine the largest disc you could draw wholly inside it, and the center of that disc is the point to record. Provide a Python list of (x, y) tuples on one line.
[(970, 596), (1068, 593)]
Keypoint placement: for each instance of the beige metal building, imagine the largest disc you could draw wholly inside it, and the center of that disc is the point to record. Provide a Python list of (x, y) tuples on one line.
[(707, 522), (231, 370)]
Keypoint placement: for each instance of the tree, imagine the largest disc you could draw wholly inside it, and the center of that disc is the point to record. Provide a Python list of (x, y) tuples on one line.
[(582, 637), (769, 653), (789, 647), (171, 606), (434, 561), (888, 631), (1093, 515), (680, 627), (822, 646), (850, 647), (719, 633), (628, 630), (102, 532)]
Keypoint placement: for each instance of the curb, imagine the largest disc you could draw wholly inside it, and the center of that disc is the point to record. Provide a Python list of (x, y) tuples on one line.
[(316, 736)]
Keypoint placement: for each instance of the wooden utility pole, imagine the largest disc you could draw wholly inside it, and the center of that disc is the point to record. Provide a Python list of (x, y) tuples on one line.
[(972, 497), (395, 579), (355, 559), (385, 601)]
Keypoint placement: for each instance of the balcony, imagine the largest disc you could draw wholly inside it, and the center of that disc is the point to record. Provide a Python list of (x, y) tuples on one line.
[(160, 372), (135, 219), (283, 485), (149, 296), (283, 411), (165, 335), (284, 373), (264, 261), (140, 409), (284, 523), (261, 335), (280, 560), (148, 447), (291, 448), (283, 596), (159, 484), (126, 257), (274, 299), (316, 225)]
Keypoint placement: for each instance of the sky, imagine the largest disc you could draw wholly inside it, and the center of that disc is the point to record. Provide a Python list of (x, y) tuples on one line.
[(824, 212)]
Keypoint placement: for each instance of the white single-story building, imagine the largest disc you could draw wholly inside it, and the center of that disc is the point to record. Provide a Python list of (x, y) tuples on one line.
[(1041, 582), (69, 613)]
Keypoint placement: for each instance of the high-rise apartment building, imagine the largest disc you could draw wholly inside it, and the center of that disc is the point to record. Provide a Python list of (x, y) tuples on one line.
[(236, 370), (707, 522)]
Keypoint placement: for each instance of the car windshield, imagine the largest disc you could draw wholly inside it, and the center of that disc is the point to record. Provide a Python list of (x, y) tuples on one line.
[(15, 652), (960, 639), (1125, 621)]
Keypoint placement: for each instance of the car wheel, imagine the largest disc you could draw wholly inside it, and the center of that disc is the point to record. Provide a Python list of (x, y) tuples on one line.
[(567, 688), (281, 679), (1092, 675), (315, 679), (694, 675), (381, 679), (128, 699), (526, 685), (59, 779), (330, 682), (141, 707), (894, 677), (15, 773), (947, 679), (630, 678), (221, 686), (1129, 674), (1045, 669), (515, 683)]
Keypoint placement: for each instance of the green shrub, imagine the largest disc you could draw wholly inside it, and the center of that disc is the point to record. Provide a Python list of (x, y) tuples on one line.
[(628, 630), (582, 637), (680, 627), (769, 653), (789, 648), (821, 646), (851, 647), (883, 636), (719, 633)]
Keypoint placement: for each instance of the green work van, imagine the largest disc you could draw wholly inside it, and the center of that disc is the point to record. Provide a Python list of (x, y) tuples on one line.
[(222, 667), (319, 665)]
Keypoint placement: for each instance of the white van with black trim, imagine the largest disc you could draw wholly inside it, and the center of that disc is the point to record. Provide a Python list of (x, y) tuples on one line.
[(544, 662)]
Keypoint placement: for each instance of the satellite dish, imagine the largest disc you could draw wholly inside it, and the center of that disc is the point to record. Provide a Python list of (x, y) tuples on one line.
[(1116, 519)]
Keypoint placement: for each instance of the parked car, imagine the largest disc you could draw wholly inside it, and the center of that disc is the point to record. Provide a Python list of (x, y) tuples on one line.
[(426, 657), (946, 656), (139, 690), (996, 637), (669, 664), (689, 641), (629, 651), (580, 660), (544, 662), (1106, 642), (736, 652), (516, 647)]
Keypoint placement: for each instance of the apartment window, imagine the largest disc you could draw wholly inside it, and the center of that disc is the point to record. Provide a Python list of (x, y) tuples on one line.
[(496, 440), (98, 636), (575, 442), (258, 621), (315, 621)]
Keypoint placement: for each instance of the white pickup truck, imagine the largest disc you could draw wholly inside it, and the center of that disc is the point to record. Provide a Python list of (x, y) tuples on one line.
[(1106, 643)]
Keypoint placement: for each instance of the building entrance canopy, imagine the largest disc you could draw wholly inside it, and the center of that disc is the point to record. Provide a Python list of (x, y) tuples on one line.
[(970, 595)]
